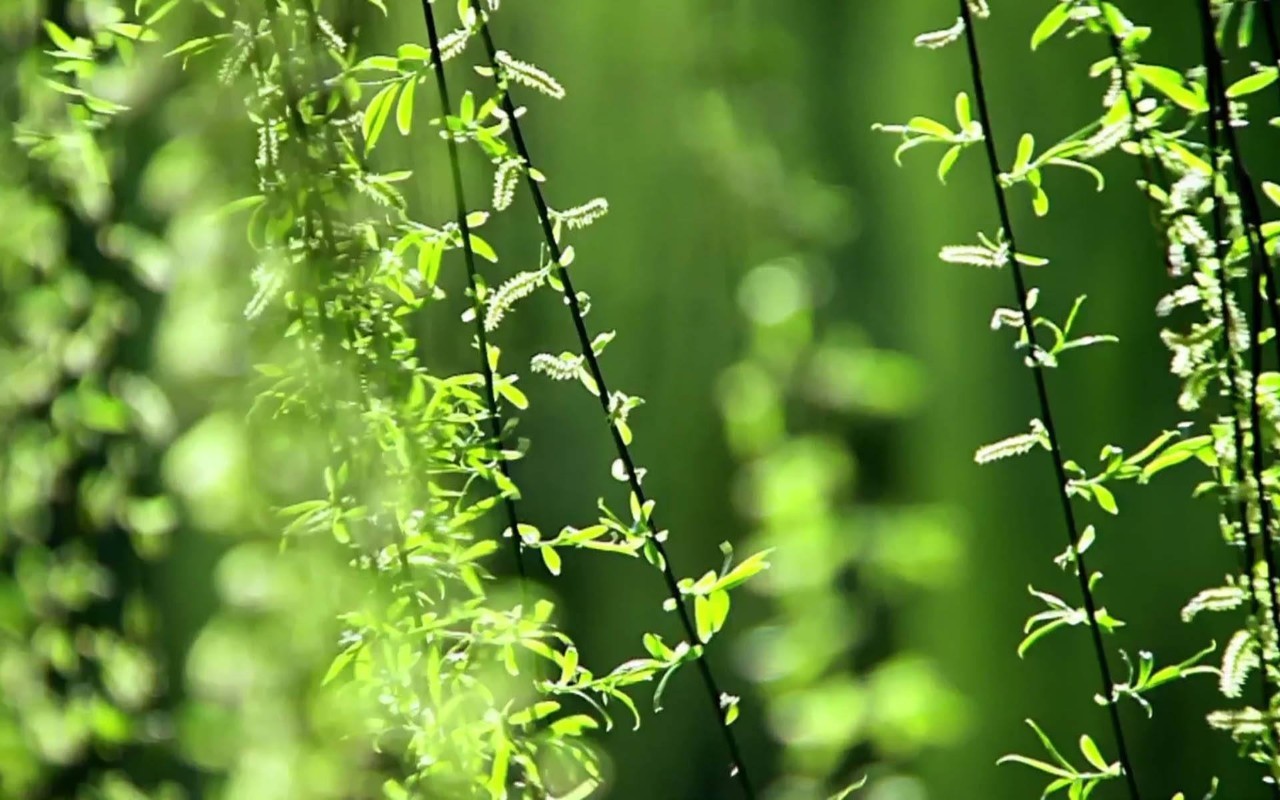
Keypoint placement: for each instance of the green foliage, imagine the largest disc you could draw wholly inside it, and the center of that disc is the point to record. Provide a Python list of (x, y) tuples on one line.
[(1079, 783), (81, 425), (239, 332), (1218, 246), (359, 480)]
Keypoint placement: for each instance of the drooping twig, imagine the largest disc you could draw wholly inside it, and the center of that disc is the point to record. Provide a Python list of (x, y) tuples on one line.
[(739, 767), (1259, 271), (1042, 394), (469, 256)]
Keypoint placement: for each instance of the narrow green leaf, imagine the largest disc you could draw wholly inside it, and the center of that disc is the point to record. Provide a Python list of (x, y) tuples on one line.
[(750, 566), (404, 108), (1038, 634), (929, 127), (481, 248), (1026, 148), (1272, 191), (1172, 85), (383, 63), (964, 111), (1040, 202), (702, 618), (551, 558), (60, 37), (948, 161), (415, 52), (1253, 83), (429, 258), (1105, 499), (1091, 753), (1051, 24), (1035, 763), (375, 115)]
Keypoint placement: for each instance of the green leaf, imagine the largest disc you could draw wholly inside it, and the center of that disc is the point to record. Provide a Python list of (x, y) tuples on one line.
[(375, 115), (569, 667), (1087, 537), (429, 258), (750, 566), (243, 204), (948, 161), (574, 725), (414, 52), (551, 558), (1188, 159), (1038, 634), (1040, 202), (718, 609), (702, 618), (1105, 499), (497, 784), (478, 550), (1098, 177), (929, 127), (731, 713), (1091, 754), (1172, 85), (662, 684), (1253, 83), (1026, 148), (1047, 743), (653, 644), (133, 31), (964, 111), (513, 395), (481, 248), (1272, 191), (339, 664), (1051, 24), (383, 63), (1034, 763), (533, 713), (1175, 453), (60, 37), (404, 108)]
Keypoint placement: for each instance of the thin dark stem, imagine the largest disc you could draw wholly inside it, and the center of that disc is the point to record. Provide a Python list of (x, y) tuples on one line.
[(739, 766), (468, 252), (482, 337), (1042, 393), (1260, 270)]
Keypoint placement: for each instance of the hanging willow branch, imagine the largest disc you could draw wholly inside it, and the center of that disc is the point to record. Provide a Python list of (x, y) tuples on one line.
[(503, 68), (1042, 393), (477, 306)]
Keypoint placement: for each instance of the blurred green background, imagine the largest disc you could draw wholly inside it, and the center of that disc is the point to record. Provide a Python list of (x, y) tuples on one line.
[(728, 134)]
